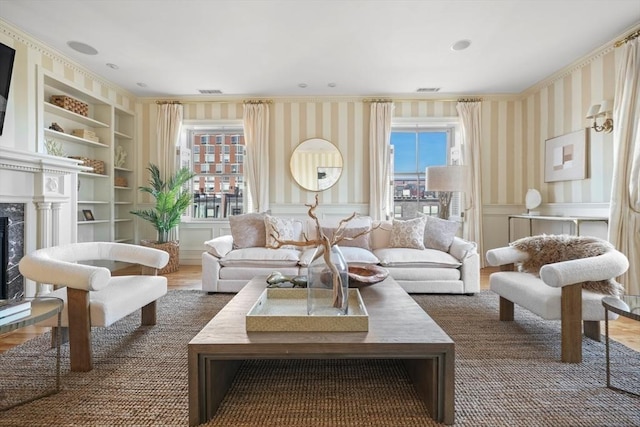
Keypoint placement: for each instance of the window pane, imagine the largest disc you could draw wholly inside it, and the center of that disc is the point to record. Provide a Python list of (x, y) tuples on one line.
[(414, 151), (404, 152), (221, 194)]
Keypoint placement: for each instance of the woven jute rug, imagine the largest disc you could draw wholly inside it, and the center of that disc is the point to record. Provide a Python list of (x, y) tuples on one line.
[(507, 374)]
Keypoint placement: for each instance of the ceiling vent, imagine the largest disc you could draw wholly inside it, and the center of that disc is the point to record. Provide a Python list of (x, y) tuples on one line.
[(210, 91), (428, 89)]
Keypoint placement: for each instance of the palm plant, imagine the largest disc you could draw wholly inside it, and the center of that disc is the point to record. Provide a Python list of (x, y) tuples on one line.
[(172, 200)]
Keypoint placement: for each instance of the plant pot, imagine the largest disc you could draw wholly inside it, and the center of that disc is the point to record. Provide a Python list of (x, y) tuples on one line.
[(172, 248)]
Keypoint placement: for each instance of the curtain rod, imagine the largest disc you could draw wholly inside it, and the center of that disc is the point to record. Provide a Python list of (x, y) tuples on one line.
[(425, 99), (628, 38), (257, 101), (168, 102)]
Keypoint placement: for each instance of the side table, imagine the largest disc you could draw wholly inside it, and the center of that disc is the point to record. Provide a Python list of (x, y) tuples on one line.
[(625, 306), (41, 308)]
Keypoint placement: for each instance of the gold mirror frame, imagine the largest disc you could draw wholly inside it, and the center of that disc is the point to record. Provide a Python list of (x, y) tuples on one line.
[(316, 164)]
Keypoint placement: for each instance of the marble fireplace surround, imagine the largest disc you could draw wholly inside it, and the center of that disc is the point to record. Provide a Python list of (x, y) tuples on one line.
[(46, 185)]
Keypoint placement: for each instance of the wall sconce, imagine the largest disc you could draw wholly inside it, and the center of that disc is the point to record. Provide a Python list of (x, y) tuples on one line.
[(601, 110)]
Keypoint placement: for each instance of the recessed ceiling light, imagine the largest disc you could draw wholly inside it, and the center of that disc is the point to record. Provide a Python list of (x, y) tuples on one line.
[(331, 85), (141, 84), (428, 89), (112, 66), (302, 85), (82, 48), (461, 45)]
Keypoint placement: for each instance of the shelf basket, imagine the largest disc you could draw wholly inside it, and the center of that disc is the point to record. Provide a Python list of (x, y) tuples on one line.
[(70, 104), (97, 165)]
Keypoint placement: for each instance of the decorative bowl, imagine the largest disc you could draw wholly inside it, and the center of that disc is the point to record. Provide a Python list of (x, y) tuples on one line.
[(361, 275)]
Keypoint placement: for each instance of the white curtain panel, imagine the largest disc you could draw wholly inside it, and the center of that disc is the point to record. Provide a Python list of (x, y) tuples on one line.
[(168, 127), (379, 140), (256, 137), (470, 121), (624, 215)]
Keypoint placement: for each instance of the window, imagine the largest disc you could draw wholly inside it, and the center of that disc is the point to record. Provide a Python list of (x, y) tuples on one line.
[(218, 186), (415, 148)]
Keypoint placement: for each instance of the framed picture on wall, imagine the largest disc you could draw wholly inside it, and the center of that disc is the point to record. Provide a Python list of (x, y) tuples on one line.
[(565, 157), (88, 215)]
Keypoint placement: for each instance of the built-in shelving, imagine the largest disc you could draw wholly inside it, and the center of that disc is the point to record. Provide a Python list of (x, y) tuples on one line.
[(104, 128)]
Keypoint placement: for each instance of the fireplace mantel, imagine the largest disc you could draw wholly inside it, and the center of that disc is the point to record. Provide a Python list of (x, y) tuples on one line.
[(47, 187), (25, 161)]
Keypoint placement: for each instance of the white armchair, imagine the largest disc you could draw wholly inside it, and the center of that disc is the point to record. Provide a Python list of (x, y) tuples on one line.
[(557, 294), (92, 296)]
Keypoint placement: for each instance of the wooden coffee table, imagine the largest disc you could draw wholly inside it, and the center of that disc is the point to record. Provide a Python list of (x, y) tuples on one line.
[(398, 329)]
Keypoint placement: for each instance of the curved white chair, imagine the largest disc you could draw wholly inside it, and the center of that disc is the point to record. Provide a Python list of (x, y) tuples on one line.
[(557, 294), (92, 296)]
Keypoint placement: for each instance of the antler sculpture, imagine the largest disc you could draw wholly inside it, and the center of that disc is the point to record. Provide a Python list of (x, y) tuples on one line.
[(324, 244)]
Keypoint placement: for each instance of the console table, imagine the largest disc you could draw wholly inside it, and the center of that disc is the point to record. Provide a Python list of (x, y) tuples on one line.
[(576, 220)]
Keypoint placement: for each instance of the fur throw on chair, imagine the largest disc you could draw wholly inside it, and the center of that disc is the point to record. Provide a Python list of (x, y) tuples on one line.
[(548, 249)]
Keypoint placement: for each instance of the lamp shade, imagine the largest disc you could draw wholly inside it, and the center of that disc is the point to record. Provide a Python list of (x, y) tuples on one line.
[(605, 107), (446, 178), (595, 108)]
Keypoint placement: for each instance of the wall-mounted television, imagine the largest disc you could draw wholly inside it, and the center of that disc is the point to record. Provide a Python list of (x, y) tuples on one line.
[(7, 56)]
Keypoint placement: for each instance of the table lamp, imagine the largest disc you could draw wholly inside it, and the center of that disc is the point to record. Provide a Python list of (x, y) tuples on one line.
[(445, 180)]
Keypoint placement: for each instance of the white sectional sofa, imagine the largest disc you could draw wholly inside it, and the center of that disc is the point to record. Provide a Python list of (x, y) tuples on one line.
[(446, 264)]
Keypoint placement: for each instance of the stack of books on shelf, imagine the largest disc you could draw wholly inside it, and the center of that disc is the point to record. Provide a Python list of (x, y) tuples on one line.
[(12, 310)]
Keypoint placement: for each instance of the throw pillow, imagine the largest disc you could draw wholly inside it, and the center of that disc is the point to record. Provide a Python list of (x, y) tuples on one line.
[(439, 233), (248, 230), (282, 228), (363, 241), (408, 234)]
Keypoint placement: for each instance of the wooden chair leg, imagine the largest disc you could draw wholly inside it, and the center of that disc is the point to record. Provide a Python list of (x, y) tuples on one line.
[(571, 319), (506, 309), (592, 329), (80, 351), (149, 314)]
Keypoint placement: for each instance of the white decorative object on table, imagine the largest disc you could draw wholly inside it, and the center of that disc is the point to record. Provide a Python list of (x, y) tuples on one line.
[(532, 200)]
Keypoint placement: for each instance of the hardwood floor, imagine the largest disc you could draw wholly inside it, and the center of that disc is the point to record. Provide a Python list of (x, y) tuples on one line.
[(623, 330)]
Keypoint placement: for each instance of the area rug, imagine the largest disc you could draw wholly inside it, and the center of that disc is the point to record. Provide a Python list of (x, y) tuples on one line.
[(507, 374)]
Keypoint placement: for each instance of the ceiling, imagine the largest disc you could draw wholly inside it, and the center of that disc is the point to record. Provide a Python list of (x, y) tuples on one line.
[(334, 47)]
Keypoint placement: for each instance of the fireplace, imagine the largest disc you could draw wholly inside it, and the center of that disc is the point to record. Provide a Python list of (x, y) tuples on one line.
[(11, 249), (4, 256)]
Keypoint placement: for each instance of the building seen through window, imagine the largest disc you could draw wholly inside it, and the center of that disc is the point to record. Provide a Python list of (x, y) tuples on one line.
[(218, 163), (415, 149)]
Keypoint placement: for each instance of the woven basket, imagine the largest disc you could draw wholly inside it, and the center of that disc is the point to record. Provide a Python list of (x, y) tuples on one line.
[(70, 104), (121, 181), (172, 248), (97, 165)]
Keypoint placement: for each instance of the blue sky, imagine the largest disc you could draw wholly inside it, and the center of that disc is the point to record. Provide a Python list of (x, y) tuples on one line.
[(432, 150)]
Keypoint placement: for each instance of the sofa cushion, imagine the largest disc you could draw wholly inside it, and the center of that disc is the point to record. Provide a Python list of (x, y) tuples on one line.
[(351, 254), (381, 234), (421, 274), (219, 246), (408, 234), (248, 230), (249, 257), (283, 229), (439, 233), (363, 241), (397, 257)]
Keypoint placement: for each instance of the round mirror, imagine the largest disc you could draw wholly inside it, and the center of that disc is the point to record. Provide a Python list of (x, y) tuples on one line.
[(316, 164)]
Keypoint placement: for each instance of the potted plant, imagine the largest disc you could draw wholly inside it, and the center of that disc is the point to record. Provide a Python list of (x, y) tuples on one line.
[(172, 200)]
